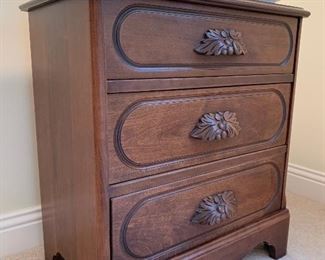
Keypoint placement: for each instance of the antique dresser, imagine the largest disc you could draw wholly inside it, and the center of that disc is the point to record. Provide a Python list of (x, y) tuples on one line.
[(163, 126)]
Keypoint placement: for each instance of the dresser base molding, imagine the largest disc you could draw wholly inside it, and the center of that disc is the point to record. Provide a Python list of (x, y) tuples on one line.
[(272, 231)]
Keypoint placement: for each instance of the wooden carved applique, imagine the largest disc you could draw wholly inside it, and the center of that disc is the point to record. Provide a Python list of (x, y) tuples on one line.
[(216, 126), (216, 208), (217, 42)]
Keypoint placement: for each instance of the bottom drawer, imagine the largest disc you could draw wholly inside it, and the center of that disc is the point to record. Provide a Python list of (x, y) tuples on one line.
[(168, 219)]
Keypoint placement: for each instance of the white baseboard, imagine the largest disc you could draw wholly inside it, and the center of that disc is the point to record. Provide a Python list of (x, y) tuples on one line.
[(20, 230), (306, 182)]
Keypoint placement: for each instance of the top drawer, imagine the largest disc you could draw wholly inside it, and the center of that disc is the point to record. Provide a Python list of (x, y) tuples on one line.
[(150, 39)]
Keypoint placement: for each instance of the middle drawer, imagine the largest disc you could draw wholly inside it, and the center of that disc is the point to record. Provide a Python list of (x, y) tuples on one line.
[(156, 132)]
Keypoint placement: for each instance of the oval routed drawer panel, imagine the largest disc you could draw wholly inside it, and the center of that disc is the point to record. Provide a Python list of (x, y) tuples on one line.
[(187, 213), (169, 130), (147, 41)]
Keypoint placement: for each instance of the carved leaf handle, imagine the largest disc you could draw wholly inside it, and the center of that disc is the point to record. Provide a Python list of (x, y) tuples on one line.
[(217, 42), (216, 126), (216, 208)]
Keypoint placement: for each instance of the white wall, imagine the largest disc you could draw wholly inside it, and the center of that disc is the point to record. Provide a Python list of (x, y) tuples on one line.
[(307, 152), (20, 216), (19, 186), (308, 134)]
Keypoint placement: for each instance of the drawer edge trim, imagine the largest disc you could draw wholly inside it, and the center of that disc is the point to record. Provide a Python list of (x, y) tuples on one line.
[(142, 85)]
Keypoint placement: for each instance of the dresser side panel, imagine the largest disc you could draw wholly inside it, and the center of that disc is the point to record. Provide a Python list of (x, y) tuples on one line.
[(71, 192), (293, 91)]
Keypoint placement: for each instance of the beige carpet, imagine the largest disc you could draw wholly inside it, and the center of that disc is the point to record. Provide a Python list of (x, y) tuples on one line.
[(306, 238)]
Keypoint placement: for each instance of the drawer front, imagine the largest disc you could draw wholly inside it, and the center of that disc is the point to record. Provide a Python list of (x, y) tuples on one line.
[(187, 213), (155, 132), (148, 39)]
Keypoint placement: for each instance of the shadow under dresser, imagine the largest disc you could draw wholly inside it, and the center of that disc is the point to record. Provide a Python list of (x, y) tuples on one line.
[(163, 127)]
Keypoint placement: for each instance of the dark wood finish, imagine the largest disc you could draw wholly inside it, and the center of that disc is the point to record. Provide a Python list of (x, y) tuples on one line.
[(58, 256), (216, 126), (272, 230), (34, 4), (251, 5), (74, 218), (219, 166), (167, 211), (218, 42), (121, 86), (99, 121), (291, 108), (152, 147), (255, 5), (136, 48), (149, 133), (216, 208)]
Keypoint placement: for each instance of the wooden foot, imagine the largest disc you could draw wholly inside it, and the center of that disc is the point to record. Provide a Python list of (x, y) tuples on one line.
[(273, 231), (276, 245), (276, 252), (58, 256)]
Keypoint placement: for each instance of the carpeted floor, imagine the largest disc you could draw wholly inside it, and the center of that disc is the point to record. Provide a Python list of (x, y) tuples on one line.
[(306, 238)]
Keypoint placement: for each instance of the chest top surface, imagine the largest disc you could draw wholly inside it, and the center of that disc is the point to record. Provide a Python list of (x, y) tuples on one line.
[(252, 5)]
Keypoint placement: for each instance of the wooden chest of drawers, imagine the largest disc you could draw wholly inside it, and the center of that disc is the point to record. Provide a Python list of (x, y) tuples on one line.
[(163, 126)]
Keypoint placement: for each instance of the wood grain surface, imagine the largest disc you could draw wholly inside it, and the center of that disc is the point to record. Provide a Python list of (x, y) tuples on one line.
[(150, 133), (69, 165), (150, 148), (166, 211), (142, 40)]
